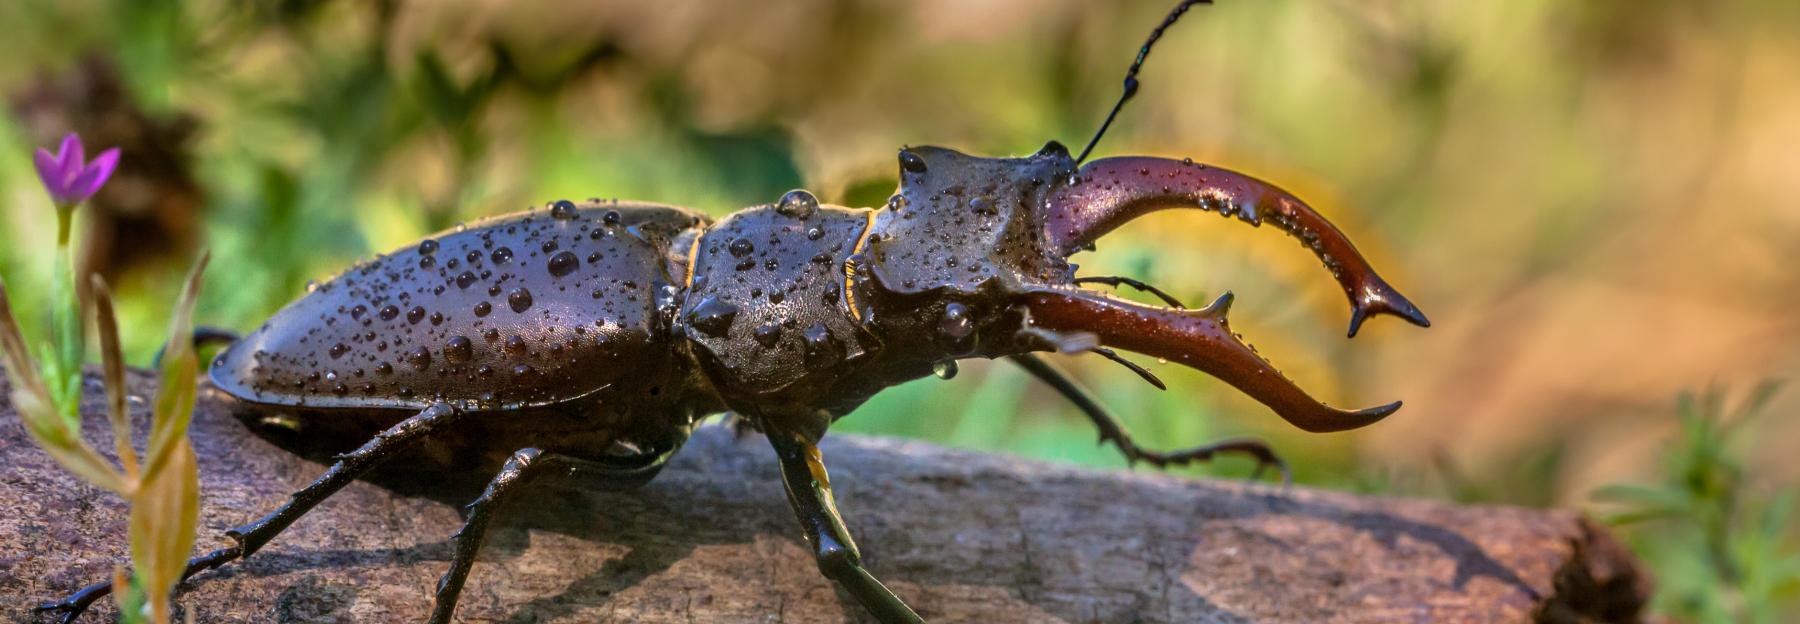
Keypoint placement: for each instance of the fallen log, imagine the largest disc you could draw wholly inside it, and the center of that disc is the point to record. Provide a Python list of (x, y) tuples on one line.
[(964, 537)]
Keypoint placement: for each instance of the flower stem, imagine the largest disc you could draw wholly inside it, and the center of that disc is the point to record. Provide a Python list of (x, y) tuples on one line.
[(66, 321)]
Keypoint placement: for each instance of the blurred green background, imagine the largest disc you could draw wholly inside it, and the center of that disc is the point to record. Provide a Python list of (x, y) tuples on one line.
[(1596, 201)]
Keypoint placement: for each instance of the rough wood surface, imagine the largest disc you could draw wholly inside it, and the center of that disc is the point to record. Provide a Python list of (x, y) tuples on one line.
[(964, 537)]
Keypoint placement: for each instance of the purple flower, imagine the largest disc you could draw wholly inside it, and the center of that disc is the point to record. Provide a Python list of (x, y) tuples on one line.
[(69, 177)]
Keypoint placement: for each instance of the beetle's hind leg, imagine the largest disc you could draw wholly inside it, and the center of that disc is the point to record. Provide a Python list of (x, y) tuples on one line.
[(253, 536), (1112, 431), (809, 492)]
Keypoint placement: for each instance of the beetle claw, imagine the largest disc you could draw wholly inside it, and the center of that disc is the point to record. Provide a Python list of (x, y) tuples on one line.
[(1201, 339), (1112, 191)]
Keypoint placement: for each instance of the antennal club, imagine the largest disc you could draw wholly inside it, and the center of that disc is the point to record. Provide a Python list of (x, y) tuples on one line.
[(1131, 81)]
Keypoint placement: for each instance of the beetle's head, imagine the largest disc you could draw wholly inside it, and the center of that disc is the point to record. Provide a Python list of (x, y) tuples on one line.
[(962, 224), (985, 242)]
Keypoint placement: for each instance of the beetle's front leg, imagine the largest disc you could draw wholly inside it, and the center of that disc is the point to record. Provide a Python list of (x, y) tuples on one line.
[(809, 491), (253, 536), (1112, 431)]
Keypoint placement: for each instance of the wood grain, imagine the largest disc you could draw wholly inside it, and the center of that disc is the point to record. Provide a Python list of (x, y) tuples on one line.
[(964, 537)]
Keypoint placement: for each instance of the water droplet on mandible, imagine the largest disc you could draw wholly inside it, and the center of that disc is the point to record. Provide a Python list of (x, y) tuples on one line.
[(797, 204), (563, 263)]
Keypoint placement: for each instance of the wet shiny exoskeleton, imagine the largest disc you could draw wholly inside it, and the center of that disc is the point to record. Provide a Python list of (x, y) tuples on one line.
[(590, 337)]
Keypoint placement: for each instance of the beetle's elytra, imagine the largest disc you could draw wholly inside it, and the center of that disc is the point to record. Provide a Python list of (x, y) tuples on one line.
[(590, 337)]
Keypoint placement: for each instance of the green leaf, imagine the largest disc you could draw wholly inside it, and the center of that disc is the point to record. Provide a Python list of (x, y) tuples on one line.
[(164, 516), (175, 391)]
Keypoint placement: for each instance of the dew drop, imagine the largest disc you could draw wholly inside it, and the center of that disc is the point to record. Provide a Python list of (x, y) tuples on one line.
[(415, 315), (465, 279), (519, 299), (944, 369), (768, 334), (956, 323), (428, 247), (563, 263), (501, 255), (712, 316), (742, 247), (482, 309), (911, 162), (458, 350), (563, 210), (338, 350), (797, 204), (419, 358), (388, 312), (820, 346)]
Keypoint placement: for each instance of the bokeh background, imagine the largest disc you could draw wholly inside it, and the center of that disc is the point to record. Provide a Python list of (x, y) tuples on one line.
[(1597, 202)]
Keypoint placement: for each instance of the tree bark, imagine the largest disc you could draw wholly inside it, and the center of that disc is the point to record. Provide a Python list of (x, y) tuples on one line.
[(963, 537)]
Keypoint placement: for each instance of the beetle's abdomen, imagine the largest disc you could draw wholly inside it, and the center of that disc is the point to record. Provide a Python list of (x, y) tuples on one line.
[(527, 309)]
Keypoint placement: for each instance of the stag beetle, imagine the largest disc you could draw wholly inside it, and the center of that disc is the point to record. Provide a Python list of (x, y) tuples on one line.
[(590, 338)]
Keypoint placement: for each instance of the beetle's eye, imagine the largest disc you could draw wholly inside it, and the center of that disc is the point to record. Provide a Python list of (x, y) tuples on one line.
[(1053, 148), (911, 162)]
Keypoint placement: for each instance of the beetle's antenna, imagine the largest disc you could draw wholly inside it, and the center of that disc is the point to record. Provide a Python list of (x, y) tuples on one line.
[(1131, 81)]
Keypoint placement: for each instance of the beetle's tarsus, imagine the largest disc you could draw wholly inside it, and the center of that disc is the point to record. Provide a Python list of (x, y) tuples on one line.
[(1112, 431)]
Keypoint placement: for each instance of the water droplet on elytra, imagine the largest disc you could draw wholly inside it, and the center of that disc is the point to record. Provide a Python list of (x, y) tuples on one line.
[(563, 209), (458, 349), (563, 263), (419, 358), (519, 299)]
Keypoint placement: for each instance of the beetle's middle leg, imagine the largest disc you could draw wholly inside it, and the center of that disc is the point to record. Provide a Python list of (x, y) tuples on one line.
[(809, 491), (252, 537), (1112, 431)]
